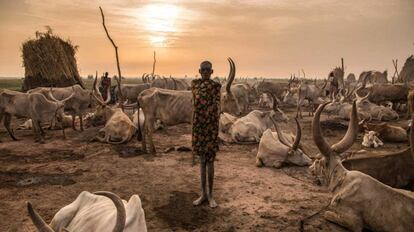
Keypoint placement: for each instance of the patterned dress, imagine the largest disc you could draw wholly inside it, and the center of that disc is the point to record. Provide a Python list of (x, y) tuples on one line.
[(206, 102)]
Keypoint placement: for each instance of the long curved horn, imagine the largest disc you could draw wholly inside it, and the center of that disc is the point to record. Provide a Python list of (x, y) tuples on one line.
[(232, 74), (37, 220), (351, 133), (280, 135), (275, 101), (51, 95), (143, 77), (71, 95), (120, 210), (320, 142), (298, 136)]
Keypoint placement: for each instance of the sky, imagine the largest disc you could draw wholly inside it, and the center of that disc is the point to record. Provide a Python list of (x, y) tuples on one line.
[(268, 38)]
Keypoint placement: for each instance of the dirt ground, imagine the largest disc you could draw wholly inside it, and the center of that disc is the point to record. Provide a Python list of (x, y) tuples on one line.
[(52, 175)]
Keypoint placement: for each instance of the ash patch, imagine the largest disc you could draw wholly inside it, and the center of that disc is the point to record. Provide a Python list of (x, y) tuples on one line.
[(26, 179), (128, 151), (180, 212), (44, 156)]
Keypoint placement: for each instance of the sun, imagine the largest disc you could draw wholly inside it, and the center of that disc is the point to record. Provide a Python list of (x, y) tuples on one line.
[(161, 17), (160, 21)]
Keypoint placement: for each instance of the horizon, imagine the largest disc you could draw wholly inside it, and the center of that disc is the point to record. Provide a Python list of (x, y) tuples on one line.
[(270, 39)]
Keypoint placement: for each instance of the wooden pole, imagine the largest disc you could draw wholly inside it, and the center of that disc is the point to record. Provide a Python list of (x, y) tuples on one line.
[(116, 55), (153, 64), (395, 63)]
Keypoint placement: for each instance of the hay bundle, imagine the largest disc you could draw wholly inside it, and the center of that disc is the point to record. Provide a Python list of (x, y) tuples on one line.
[(407, 72), (49, 61)]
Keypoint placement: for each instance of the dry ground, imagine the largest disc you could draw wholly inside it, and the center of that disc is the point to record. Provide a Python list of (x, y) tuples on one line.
[(52, 175)]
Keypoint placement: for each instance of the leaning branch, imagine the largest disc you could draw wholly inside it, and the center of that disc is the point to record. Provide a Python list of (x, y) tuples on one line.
[(116, 55)]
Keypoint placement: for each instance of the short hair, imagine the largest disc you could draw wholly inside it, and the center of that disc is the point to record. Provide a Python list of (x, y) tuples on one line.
[(206, 62)]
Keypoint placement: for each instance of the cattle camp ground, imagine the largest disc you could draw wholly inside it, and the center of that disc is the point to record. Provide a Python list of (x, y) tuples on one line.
[(101, 123), (51, 175)]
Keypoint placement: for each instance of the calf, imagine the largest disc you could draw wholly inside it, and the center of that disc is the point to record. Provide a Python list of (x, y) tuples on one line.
[(370, 139)]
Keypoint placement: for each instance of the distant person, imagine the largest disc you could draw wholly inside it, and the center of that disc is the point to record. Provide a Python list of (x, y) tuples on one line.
[(205, 127), (105, 85)]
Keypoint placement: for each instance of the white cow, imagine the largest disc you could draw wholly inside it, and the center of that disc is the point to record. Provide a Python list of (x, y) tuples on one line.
[(101, 211), (278, 148)]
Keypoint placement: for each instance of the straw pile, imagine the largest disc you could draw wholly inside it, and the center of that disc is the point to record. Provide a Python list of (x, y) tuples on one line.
[(49, 61), (407, 72)]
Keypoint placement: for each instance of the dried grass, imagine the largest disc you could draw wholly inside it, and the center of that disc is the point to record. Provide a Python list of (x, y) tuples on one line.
[(49, 60)]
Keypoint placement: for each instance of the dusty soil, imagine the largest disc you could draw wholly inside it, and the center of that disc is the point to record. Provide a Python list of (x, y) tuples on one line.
[(52, 175)]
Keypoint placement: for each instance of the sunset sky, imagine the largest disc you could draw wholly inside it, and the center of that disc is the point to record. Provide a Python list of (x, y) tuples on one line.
[(270, 38)]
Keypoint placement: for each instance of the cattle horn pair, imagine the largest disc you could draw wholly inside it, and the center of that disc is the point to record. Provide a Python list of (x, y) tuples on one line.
[(232, 74), (64, 100), (282, 138), (275, 100), (347, 140), (42, 226), (359, 98)]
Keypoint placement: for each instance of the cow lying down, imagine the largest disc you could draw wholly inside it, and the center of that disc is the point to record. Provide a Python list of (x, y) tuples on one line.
[(101, 211), (118, 128), (277, 149), (66, 121), (249, 129), (358, 200)]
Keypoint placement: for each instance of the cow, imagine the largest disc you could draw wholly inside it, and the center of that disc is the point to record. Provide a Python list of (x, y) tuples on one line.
[(359, 201), (138, 120), (99, 211), (373, 77), (78, 105), (366, 110), (31, 105), (131, 91), (225, 122), (381, 113), (371, 139), (170, 83), (229, 100), (379, 93), (265, 100), (386, 132), (66, 121), (277, 88), (241, 93), (118, 128), (276, 150), (311, 92), (249, 129), (171, 107)]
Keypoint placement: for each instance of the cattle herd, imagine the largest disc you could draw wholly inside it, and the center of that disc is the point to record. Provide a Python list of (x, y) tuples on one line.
[(368, 191)]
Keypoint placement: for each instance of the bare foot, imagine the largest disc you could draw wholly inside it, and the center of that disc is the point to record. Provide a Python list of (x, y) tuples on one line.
[(212, 203), (199, 201)]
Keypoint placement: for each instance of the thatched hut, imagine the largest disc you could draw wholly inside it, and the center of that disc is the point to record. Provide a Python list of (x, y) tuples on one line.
[(407, 72), (49, 61)]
